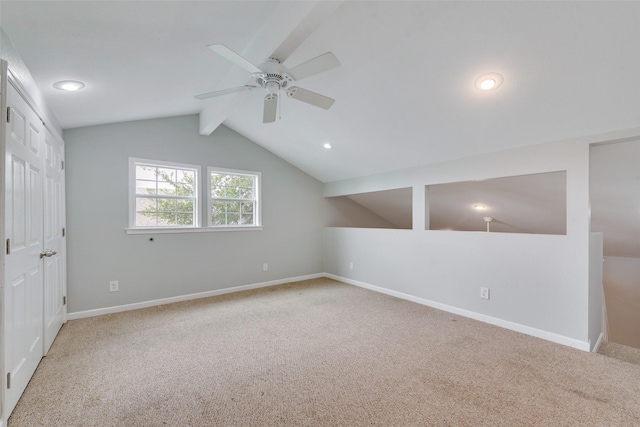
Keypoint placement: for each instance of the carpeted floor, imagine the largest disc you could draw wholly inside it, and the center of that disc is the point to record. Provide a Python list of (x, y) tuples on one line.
[(620, 352), (318, 353)]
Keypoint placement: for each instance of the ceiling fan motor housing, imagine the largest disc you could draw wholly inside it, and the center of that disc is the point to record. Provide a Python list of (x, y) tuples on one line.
[(273, 77)]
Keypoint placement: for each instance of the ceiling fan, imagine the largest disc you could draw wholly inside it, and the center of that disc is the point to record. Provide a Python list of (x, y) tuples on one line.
[(273, 76)]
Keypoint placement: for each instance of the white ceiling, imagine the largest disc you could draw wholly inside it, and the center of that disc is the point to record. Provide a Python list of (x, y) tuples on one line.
[(404, 93)]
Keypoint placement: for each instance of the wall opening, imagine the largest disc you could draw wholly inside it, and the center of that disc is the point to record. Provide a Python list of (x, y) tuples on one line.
[(532, 204), (377, 209), (615, 212)]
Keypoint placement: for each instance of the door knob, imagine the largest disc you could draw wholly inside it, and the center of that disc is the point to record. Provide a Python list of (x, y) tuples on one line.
[(48, 253)]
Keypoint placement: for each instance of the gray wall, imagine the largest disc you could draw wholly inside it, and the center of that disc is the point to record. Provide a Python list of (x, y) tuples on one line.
[(539, 284), (99, 250)]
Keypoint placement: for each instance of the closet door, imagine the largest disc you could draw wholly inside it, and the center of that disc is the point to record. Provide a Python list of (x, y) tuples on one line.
[(54, 265), (24, 268)]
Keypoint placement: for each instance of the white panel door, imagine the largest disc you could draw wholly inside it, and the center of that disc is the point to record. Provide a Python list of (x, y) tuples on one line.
[(23, 297), (54, 263)]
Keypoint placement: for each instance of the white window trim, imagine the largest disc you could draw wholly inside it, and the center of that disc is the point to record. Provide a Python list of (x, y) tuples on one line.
[(258, 207), (170, 230), (133, 161)]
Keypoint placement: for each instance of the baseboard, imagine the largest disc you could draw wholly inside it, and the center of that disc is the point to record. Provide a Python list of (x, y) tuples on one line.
[(162, 301), (538, 333)]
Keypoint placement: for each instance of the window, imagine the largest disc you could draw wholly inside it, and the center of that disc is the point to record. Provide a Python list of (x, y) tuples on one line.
[(163, 194), (234, 198)]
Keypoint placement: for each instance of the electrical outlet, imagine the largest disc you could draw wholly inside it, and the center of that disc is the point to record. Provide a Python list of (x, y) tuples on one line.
[(113, 286), (265, 267), (350, 265), (484, 293)]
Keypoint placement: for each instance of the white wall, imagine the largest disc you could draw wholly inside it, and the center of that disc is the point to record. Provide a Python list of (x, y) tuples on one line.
[(179, 264), (622, 295), (539, 283)]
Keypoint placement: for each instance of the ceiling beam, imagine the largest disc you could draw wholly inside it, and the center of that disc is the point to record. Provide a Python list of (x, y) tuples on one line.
[(280, 35)]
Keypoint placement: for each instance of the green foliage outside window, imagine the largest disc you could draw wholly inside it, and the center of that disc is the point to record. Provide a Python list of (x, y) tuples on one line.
[(233, 199), (178, 185)]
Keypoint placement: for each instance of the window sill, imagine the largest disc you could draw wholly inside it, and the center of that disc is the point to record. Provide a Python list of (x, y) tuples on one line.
[(178, 230)]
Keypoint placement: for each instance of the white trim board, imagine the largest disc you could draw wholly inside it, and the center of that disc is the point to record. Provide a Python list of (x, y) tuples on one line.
[(162, 301), (538, 333)]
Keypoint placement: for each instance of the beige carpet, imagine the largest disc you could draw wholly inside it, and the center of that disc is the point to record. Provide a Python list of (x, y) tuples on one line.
[(318, 353), (620, 352)]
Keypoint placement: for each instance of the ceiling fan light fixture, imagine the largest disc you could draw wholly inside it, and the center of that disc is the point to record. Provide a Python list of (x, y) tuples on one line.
[(68, 85), (489, 81), (272, 87)]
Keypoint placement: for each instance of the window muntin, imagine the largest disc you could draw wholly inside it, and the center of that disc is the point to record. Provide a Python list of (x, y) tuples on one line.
[(164, 194), (234, 198)]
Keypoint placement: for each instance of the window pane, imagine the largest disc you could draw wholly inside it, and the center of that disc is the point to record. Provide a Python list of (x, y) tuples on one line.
[(233, 218), (233, 207), (227, 187), (247, 181), (185, 183), (217, 208), (246, 193), (218, 219), (146, 219), (167, 205), (246, 207), (166, 219), (218, 191), (145, 204), (166, 188), (184, 219), (146, 172), (184, 189), (145, 187), (185, 206), (166, 174), (177, 191)]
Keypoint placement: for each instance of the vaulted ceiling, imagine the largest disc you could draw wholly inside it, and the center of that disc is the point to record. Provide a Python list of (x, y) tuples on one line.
[(404, 92)]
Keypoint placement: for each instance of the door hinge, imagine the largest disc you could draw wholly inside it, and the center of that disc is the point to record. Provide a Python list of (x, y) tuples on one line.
[(8, 114), (64, 300), (8, 246), (8, 380), (62, 164), (64, 232)]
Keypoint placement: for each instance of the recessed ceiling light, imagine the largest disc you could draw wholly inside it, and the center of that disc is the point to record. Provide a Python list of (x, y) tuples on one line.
[(327, 146), (487, 84), (489, 81), (479, 207), (68, 85)]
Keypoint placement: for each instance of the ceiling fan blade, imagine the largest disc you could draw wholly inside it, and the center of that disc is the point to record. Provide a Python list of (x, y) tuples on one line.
[(224, 92), (310, 97), (270, 108), (234, 57), (321, 63)]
